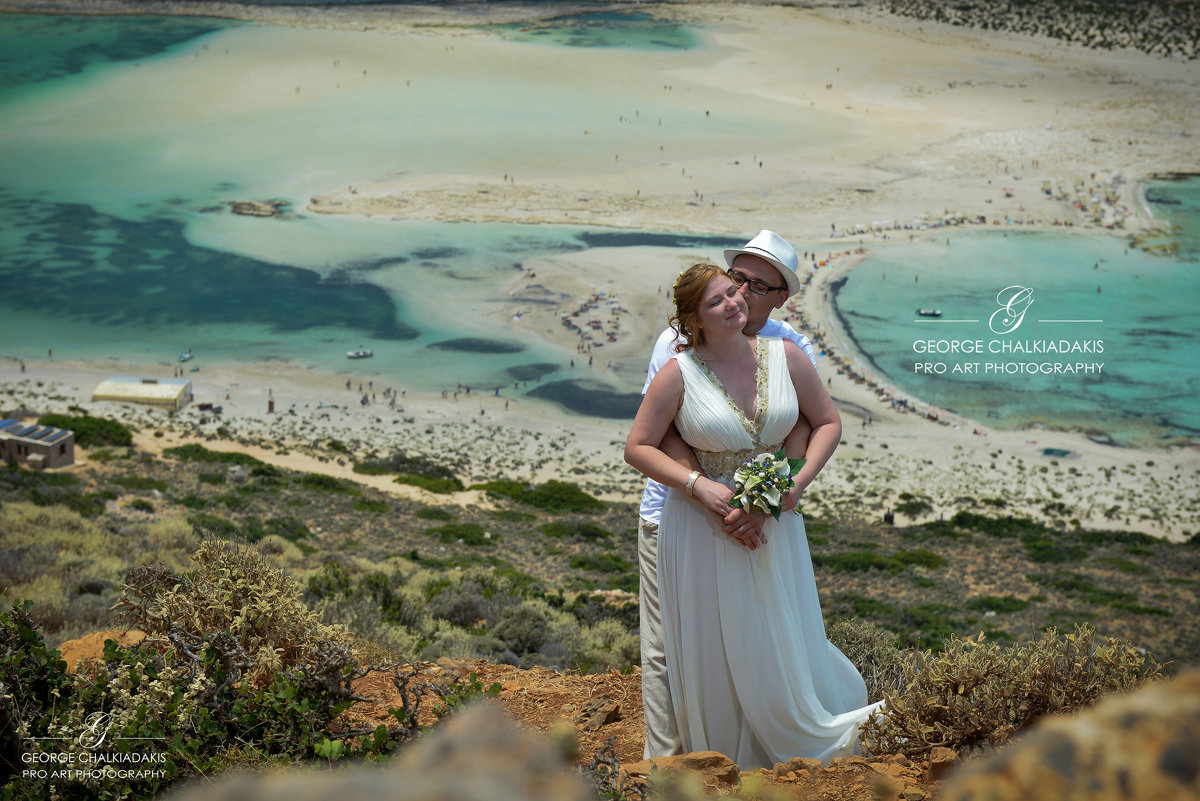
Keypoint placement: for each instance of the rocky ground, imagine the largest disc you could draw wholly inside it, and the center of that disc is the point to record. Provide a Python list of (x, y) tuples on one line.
[(603, 713)]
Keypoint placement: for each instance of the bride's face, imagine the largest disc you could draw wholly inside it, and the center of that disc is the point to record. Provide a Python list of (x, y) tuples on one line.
[(722, 307)]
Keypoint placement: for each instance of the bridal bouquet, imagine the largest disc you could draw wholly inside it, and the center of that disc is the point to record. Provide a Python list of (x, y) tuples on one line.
[(761, 483)]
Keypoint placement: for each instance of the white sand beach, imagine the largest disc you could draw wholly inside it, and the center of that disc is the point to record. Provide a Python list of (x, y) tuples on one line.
[(907, 123)]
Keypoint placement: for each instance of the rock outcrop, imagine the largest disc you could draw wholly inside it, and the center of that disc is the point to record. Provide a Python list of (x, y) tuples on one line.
[(1141, 747), (478, 754), (259, 208)]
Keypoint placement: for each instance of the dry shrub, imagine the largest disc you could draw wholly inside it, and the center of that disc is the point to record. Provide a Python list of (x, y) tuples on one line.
[(976, 694), (238, 603), (873, 651)]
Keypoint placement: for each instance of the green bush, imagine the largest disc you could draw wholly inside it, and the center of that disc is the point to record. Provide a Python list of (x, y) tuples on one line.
[(212, 524), (317, 482), (1044, 550), (232, 656), (523, 628), (289, 528), (469, 533), (921, 557), (441, 486), (867, 607), (1001, 606), (90, 504), (34, 677), (142, 505), (856, 561), (232, 502), (583, 529), (915, 507), (401, 462), (435, 513), (512, 516), (90, 432), (553, 496), (997, 527), (601, 563), (139, 483), (975, 693), (1124, 565), (195, 452), (377, 507)]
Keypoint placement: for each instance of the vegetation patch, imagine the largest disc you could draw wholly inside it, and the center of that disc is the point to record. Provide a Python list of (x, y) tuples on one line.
[(468, 533), (215, 525), (553, 496), (195, 452), (921, 557), (441, 486), (583, 529), (435, 513), (975, 693), (322, 483), (992, 603), (90, 432), (601, 563), (139, 483)]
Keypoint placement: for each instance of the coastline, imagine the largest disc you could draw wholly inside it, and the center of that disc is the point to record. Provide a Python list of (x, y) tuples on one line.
[(937, 136)]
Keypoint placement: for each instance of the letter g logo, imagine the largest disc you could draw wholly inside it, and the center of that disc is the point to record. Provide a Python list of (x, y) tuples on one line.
[(1013, 300), (95, 730)]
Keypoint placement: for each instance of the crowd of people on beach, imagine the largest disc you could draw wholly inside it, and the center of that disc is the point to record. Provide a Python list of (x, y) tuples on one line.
[(597, 329), (1097, 201)]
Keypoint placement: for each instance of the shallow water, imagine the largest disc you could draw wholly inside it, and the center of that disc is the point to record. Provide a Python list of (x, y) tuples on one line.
[(122, 140), (1129, 311)]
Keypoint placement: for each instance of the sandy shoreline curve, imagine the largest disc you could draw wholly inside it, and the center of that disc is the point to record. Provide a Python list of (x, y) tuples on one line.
[(944, 129)]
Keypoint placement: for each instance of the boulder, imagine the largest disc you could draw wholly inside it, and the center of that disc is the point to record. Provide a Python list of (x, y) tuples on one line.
[(478, 754), (1139, 747), (716, 770), (597, 712)]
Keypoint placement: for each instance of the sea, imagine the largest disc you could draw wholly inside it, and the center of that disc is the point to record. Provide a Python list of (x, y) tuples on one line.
[(123, 140)]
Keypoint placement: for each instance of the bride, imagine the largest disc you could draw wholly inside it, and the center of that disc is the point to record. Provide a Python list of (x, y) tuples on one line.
[(751, 672)]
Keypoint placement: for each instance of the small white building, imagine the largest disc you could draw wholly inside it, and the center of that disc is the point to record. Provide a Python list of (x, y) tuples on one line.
[(169, 393), (36, 446)]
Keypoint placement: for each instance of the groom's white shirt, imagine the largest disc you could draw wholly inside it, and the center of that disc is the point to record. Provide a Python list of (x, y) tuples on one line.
[(656, 494)]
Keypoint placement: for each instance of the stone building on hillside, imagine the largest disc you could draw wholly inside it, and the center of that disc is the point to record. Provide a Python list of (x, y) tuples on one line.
[(36, 446)]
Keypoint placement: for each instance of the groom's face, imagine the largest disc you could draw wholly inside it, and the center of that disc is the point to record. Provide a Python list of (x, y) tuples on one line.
[(759, 307)]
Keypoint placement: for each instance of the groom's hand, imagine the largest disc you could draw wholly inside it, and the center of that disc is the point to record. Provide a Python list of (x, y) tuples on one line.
[(745, 527)]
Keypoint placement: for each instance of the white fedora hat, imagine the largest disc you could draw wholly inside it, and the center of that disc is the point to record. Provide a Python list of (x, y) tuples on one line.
[(775, 249)]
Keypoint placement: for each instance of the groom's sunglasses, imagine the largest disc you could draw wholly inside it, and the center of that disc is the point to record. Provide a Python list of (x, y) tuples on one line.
[(756, 286)]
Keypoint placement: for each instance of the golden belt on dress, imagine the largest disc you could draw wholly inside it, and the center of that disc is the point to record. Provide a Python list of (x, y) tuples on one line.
[(721, 465)]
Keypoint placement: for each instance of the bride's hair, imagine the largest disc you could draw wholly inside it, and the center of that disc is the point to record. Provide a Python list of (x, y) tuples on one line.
[(689, 291)]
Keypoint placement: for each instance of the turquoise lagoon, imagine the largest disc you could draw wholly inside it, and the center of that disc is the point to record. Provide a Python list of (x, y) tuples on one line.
[(122, 139), (1096, 300)]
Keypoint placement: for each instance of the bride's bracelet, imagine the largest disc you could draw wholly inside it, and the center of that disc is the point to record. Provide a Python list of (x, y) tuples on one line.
[(691, 482)]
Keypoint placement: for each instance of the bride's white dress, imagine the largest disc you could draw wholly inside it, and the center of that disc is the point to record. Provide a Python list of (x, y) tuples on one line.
[(752, 675)]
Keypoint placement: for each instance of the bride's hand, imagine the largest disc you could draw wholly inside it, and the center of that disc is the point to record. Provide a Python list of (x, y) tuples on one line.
[(745, 527), (713, 495), (791, 499)]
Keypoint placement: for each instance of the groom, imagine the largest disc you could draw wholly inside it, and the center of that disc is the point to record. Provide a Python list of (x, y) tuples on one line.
[(764, 270)]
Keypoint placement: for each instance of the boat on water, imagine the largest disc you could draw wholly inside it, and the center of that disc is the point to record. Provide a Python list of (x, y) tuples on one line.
[(360, 354), (929, 312), (186, 357)]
